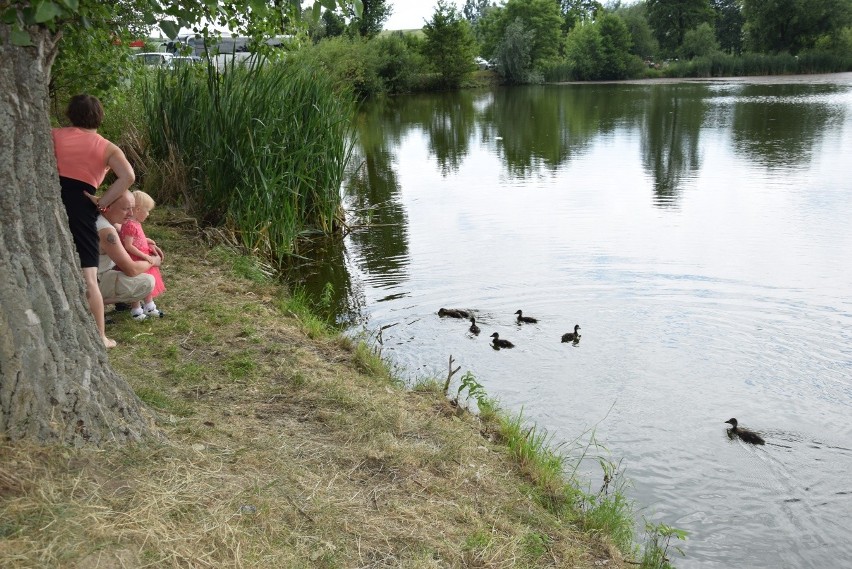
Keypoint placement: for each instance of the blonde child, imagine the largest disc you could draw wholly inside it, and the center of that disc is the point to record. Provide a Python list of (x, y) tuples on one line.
[(140, 247)]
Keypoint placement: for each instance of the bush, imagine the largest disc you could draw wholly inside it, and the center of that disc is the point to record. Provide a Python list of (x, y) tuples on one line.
[(699, 41)]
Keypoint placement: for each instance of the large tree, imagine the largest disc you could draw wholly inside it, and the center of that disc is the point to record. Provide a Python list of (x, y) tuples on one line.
[(793, 25), (671, 19), (56, 384), (450, 46), (729, 25), (576, 12), (372, 19), (543, 19)]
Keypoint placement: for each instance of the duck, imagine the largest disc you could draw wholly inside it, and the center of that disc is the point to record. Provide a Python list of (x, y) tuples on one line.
[(525, 319), (744, 434), (572, 336), (498, 343), (474, 329), (453, 313)]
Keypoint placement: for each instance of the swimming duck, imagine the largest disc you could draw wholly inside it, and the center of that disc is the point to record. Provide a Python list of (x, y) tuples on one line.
[(498, 343), (744, 434), (474, 329), (453, 313), (572, 336), (526, 319)]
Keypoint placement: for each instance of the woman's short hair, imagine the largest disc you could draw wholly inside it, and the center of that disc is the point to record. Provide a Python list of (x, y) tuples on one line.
[(143, 200), (85, 111)]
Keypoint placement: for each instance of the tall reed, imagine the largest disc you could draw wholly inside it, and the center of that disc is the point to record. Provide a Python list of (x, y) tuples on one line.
[(265, 146), (726, 65)]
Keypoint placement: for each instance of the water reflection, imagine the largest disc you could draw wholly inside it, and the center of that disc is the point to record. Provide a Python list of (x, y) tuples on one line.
[(773, 127), (372, 193), (671, 124), (697, 231)]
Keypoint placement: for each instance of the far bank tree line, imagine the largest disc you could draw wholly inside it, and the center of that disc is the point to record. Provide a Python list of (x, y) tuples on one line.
[(530, 41)]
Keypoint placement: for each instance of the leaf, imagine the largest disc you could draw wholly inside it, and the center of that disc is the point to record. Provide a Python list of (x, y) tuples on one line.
[(359, 7), (258, 7), (72, 5), (10, 16), (315, 13), (170, 28), (20, 38), (47, 12), (330, 5)]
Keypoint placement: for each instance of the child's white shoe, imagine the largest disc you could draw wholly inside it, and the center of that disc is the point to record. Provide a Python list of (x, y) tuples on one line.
[(152, 311), (138, 314)]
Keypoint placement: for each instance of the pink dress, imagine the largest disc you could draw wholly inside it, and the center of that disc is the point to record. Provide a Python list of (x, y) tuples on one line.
[(132, 228)]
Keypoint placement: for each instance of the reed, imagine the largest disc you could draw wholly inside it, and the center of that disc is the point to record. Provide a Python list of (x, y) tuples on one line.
[(265, 146), (726, 65)]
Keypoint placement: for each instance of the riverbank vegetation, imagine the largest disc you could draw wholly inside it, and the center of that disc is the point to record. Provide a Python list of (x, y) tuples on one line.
[(531, 41), (286, 445), (260, 150)]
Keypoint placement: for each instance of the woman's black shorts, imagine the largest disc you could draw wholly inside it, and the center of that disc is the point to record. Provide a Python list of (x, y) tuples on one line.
[(82, 214)]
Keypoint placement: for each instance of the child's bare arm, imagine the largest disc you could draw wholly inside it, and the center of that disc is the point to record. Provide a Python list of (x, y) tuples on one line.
[(133, 250)]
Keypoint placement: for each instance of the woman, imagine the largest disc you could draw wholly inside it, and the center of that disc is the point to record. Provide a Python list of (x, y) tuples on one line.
[(83, 158)]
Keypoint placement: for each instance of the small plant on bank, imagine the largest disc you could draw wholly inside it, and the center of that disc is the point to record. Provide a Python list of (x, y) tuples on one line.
[(657, 543)]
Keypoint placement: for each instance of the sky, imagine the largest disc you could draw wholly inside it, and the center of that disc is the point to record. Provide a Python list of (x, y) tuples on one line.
[(408, 14)]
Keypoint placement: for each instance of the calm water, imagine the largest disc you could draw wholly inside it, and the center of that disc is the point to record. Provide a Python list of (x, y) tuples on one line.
[(700, 235)]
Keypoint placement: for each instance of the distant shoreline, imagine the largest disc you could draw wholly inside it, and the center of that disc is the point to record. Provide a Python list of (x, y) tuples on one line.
[(766, 79)]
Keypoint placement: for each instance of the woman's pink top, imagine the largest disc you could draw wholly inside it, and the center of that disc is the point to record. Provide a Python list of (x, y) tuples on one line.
[(80, 154)]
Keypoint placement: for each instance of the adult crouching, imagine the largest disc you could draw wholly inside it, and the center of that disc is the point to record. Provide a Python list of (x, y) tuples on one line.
[(120, 278)]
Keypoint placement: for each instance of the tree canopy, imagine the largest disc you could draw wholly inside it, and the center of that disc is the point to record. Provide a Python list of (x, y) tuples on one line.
[(671, 19), (449, 45)]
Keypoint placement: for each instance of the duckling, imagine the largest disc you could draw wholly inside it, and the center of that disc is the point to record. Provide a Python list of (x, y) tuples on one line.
[(474, 329), (744, 434), (525, 319), (498, 343), (453, 313), (572, 336)]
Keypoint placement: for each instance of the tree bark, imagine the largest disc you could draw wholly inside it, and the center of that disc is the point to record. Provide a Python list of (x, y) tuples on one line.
[(56, 384)]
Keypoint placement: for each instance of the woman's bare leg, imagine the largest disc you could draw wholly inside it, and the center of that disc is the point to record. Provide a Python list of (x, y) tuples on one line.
[(96, 303)]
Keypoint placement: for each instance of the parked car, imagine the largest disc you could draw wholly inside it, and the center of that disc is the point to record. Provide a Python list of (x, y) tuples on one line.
[(185, 60), (154, 59), (481, 63)]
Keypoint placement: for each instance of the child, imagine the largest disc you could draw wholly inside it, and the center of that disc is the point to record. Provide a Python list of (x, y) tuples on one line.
[(140, 247)]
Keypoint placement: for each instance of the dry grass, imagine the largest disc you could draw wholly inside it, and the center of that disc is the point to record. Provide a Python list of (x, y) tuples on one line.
[(279, 453)]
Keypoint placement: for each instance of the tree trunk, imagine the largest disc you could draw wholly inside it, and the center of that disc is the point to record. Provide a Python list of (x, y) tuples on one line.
[(56, 384)]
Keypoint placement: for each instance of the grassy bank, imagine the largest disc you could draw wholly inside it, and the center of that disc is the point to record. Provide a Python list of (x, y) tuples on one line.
[(285, 445)]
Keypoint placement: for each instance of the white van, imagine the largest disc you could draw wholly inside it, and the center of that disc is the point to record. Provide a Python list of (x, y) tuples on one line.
[(154, 59)]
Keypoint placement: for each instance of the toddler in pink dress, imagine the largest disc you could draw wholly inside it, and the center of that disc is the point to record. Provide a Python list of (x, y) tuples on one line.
[(140, 247)]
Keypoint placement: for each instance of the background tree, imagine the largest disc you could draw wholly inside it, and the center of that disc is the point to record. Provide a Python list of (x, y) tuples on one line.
[(372, 19), (514, 61), (776, 26), (699, 41), (729, 25), (450, 46), (615, 46), (576, 12), (670, 20), (644, 44), (56, 383), (601, 50), (489, 30), (473, 10), (543, 19), (330, 25)]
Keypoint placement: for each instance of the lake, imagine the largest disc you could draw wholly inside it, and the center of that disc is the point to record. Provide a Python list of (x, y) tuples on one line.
[(698, 232)]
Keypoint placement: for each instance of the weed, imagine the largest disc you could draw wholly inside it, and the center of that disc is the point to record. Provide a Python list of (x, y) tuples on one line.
[(657, 543)]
